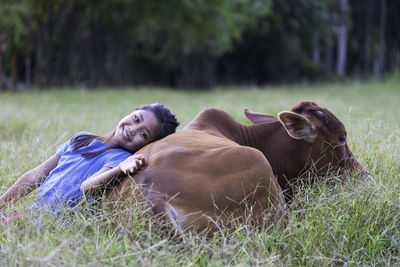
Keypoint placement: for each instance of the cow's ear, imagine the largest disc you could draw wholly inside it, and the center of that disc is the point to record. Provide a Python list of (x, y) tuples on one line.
[(256, 117), (297, 126)]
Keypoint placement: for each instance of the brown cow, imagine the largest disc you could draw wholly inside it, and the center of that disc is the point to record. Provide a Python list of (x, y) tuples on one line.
[(217, 167)]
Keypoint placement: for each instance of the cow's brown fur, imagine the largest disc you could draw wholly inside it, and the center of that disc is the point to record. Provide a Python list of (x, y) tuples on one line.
[(216, 166)]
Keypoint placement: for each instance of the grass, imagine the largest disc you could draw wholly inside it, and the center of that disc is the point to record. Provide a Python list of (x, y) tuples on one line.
[(356, 223)]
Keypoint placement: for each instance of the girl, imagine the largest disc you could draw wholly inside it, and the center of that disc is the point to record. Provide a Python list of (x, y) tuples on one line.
[(89, 162)]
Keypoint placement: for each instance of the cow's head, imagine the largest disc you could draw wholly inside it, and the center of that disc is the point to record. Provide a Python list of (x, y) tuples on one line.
[(325, 134)]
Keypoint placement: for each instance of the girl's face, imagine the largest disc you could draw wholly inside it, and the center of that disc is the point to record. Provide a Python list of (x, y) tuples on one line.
[(136, 130)]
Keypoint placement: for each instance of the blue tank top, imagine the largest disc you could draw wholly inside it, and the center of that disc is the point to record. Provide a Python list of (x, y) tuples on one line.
[(61, 189)]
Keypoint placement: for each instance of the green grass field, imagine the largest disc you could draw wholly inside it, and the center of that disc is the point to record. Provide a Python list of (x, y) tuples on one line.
[(355, 223)]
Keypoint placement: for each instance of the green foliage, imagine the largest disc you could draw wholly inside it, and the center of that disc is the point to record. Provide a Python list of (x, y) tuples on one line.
[(330, 222), (13, 33), (191, 44), (12, 28), (195, 25)]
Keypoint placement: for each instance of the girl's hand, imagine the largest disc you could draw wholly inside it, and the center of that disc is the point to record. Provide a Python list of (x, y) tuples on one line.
[(132, 164)]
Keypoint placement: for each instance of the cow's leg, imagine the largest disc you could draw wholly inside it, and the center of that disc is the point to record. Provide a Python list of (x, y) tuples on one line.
[(182, 219), (178, 215)]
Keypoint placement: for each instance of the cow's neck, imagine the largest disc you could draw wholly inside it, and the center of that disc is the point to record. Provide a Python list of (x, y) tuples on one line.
[(286, 155)]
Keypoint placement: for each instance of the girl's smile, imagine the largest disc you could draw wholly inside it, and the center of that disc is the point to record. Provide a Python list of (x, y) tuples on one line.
[(125, 134), (136, 130)]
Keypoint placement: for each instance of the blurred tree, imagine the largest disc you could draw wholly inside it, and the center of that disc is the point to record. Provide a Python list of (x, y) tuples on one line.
[(286, 44), (375, 40), (380, 53), (194, 33), (45, 21), (13, 39), (392, 37), (194, 43), (341, 30)]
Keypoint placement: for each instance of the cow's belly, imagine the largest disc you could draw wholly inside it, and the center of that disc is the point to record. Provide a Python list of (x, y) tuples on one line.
[(194, 176)]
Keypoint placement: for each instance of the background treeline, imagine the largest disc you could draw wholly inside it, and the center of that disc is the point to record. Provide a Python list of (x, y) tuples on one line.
[(194, 44)]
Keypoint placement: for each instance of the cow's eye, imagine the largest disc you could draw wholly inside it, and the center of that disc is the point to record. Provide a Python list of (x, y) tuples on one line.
[(342, 139)]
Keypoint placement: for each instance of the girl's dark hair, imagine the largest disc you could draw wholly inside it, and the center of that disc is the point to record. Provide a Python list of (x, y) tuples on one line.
[(168, 126)]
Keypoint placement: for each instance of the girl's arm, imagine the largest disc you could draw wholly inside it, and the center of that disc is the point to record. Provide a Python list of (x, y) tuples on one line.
[(28, 182), (105, 176)]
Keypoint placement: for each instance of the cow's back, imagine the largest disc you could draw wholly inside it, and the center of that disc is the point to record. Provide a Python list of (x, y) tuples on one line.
[(195, 176)]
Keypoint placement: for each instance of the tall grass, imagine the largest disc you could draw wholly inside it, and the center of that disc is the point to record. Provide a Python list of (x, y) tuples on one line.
[(328, 222)]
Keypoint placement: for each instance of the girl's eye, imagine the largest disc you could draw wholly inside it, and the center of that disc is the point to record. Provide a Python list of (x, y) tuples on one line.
[(142, 133), (342, 139), (136, 119)]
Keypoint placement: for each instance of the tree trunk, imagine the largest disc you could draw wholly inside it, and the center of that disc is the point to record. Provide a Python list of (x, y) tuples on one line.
[(379, 59), (49, 20), (368, 38), (42, 69), (197, 70), (329, 58), (44, 48), (316, 55), (28, 71), (13, 72), (3, 78), (342, 42)]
